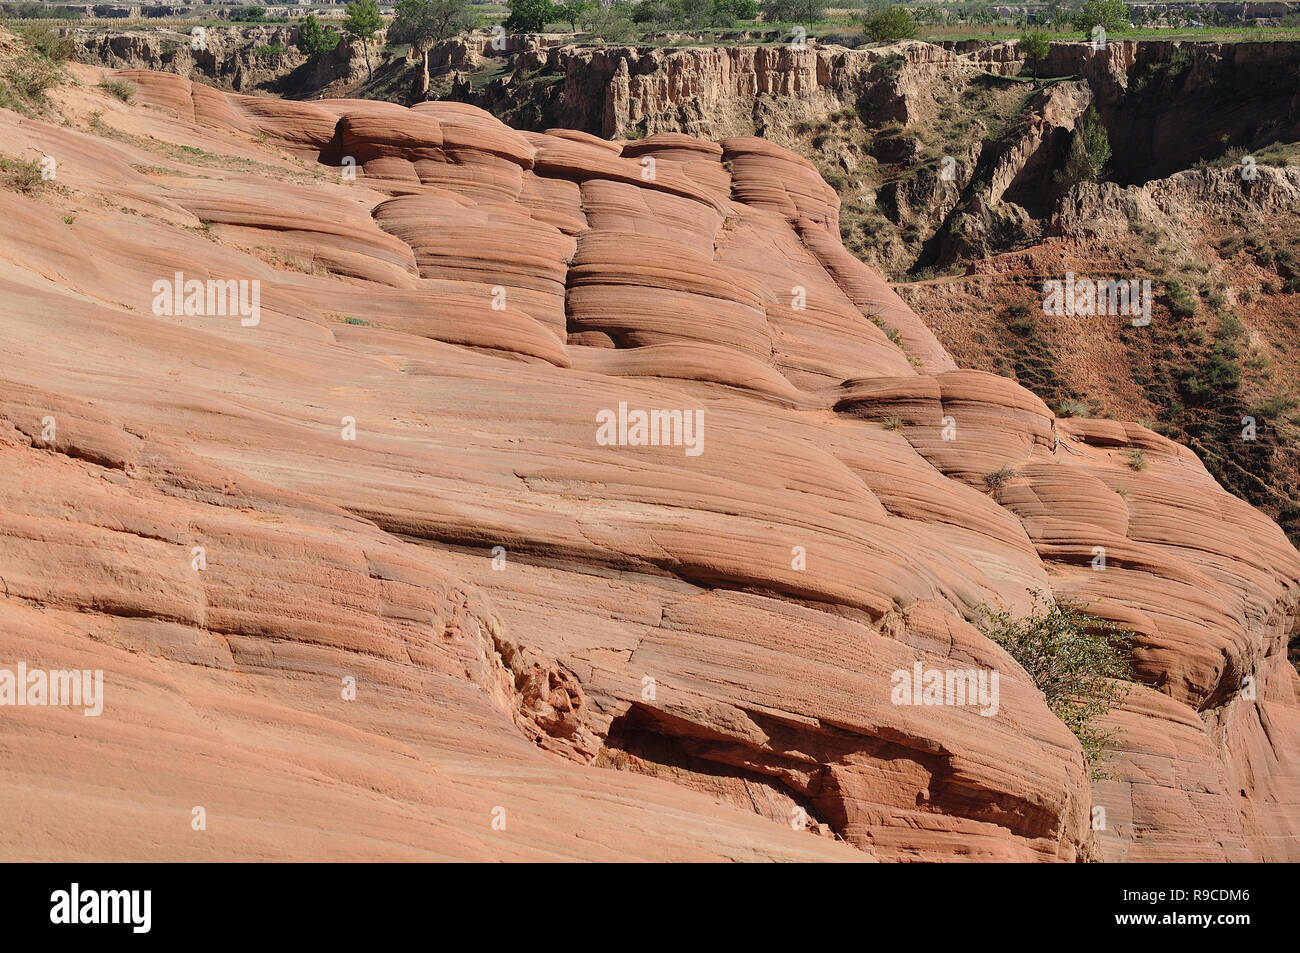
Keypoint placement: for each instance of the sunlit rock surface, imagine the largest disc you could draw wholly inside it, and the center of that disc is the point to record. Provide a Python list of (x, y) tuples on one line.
[(564, 647)]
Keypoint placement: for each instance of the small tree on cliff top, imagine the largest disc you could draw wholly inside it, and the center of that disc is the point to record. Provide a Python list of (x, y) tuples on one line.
[(793, 11), (362, 23), (530, 16), (422, 23), (1110, 15), (1036, 48), (890, 23), (1079, 662), (315, 40), (574, 12)]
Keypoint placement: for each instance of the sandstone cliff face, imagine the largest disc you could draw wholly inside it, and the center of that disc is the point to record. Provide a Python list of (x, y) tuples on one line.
[(1016, 174), (1167, 103), (713, 91), (618, 651), (232, 57), (1107, 208)]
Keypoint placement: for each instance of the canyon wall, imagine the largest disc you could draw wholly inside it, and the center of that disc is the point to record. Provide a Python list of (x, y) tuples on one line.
[(238, 58), (713, 90)]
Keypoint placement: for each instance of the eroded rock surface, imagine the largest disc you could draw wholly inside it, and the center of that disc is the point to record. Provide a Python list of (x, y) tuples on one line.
[(395, 477)]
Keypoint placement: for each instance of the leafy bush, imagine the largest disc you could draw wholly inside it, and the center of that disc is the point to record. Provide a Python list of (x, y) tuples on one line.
[(24, 84), (1089, 152), (1259, 249), (737, 9), (1073, 408), (530, 16), (1287, 264), (1079, 662), (613, 25), (119, 88), (1111, 15), (694, 14), (1275, 406), (999, 478), (315, 40), (1137, 459), (652, 11), (1231, 245), (890, 23), (45, 40), (1163, 77), (793, 11), (24, 81), (1181, 303), (19, 176), (571, 12), (1036, 46)]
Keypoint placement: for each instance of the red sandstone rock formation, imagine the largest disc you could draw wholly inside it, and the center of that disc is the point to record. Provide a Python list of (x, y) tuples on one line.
[(609, 651)]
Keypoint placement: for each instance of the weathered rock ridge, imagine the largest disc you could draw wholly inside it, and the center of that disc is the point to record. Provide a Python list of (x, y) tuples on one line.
[(718, 90), (729, 90), (238, 58), (620, 651), (1168, 103), (881, 122)]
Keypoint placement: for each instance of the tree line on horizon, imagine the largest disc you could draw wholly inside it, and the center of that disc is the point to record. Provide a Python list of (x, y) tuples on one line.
[(424, 23)]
